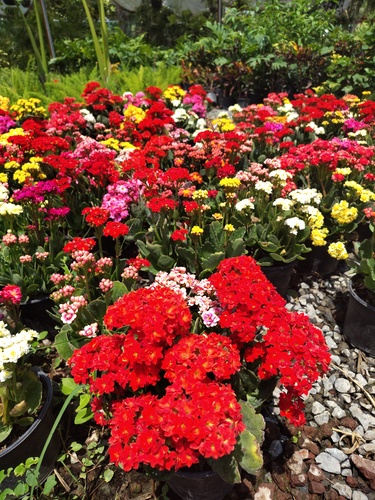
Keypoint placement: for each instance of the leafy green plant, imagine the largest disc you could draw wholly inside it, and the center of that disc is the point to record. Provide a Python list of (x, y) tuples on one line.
[(101, 46)]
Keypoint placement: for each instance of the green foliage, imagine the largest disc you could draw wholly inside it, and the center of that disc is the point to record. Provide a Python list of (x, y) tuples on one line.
[(247, 453)]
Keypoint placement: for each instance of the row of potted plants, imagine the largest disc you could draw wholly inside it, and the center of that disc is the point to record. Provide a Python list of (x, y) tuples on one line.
[(148, 226)]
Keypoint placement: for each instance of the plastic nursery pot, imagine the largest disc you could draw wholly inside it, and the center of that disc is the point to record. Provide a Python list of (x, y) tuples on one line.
[(191, 485), (34, 313), (359, 324), (280, 276), (31, 443), (318, 261)]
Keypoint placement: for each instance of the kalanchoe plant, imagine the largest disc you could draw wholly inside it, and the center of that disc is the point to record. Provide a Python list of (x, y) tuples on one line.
[(182, 374), (362, 261), (20, 389)]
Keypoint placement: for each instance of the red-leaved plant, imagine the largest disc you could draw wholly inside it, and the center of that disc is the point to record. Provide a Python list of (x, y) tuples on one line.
[(172, 397)]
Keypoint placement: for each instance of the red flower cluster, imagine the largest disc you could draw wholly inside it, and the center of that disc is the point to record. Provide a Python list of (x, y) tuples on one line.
[(195, 413), (78, 244), (11, 294), (283, 343), (96, 216), (115, 229)]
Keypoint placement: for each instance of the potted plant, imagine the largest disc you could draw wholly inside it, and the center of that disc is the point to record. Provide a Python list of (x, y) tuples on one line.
[(25, 403), (186, 365), (359, 324)]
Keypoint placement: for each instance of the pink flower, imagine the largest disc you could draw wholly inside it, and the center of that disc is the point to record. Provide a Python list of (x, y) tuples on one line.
[(11, 294)]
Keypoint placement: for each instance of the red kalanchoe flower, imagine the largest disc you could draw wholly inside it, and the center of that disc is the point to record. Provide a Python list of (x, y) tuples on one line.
[(78, 244), (115, 229), (179, 234), (96, 216), (11, 294)]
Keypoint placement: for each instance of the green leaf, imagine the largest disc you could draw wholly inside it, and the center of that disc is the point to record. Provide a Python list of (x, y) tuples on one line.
[(64, 345), (49, 485), (254, 421), (67, 386), (165, 263), (248, 453), (83, 416), (97, 308), (108, 475), (227, 468), (119, 289), (213, 261), (236, 248)]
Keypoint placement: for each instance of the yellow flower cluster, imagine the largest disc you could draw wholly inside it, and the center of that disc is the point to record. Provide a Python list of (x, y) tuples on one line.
[(338, 251), (196, 231), (12, 131), (4, 103), (343, 213), (316, 220), (318, 237), (364, 195), (134, 114), (200, 194), (223, 124), (28, 107), (334, 116), (115, 144), (27, 170), (174, 93), (230, 183)]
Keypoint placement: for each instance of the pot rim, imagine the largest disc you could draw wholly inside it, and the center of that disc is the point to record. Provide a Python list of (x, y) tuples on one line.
[(197, 474), (358, 298)]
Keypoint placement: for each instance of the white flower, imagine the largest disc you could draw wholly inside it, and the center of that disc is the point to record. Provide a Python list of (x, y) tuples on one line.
[(285, 108), (235, 108), (89, 117), (305, 196), (265, 186), (241, 205), (280, 174), (295, 224), (291, 116), (10, 209), (284, 203)]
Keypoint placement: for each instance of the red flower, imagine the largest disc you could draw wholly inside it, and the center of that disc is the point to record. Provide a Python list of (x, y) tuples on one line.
[(156, 205), (78, 243), (179, 234), (115, 229), (96, 216), (11, 294)]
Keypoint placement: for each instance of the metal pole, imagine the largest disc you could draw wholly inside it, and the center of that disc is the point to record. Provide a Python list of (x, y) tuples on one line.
[(48, 30), (220, 11)]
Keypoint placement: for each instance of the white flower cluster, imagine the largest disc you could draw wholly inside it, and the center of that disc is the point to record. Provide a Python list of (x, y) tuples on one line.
[(305, 196), (12, 348)]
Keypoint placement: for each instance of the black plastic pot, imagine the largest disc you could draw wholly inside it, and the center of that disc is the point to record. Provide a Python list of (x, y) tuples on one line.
[(199, 485), (280, 276), (31, 443), (359, 324), (318, 261), (34, 313)]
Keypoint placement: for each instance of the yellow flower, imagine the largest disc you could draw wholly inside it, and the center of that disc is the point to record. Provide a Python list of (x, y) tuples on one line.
[(200, 194), (217, 216), (11, 164), (111, 142), (343, 213), (318, 237), (4, 103), (316, 221), (230, 182), (134, 114), (229, 228), (223, 124), (338, 251), (21, 176), (3, 178), (174, 92), (367, 195), (196, 231)]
